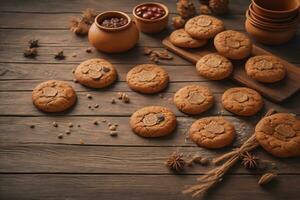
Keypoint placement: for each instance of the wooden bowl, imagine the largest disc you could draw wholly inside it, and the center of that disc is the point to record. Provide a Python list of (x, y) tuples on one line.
[(276, 9), (286, 25), (268, 36), (148, 25), (271, 20)]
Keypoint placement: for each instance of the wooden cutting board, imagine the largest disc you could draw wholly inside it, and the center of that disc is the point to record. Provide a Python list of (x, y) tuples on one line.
[(276, 92)]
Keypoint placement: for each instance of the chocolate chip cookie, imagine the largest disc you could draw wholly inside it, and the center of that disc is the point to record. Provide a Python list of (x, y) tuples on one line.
[(233, 44), (279, 134), (95, 73), (203, 27), (214, 67), (147, 78), (193, 99), (180, 38), (212, 132), (53, 96), (265, 68), (153, 121), (242, 101)]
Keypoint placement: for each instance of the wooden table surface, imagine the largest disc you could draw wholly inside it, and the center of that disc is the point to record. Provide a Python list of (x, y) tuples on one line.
[(35, 164)]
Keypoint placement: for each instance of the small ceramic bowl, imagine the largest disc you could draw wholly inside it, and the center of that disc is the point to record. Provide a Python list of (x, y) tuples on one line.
[(276, 9), (148, 25), (269, 37)]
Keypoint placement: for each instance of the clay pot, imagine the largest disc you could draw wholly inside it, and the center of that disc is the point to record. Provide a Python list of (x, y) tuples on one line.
[(113, 40), (268, 36), (148, 25), (276, 9)]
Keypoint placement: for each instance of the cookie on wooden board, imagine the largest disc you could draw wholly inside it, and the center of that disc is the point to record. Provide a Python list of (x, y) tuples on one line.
[(53, 96), (233, 44), (279, 134), (147, 78), (214, 67), (265, 68), (95, 73), (203, 27), (181, 38), (193, 99), (242, 101), (153, 121), (212, 132)]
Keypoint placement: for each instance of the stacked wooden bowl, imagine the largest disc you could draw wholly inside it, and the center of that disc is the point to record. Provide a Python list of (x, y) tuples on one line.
[(272, 21)]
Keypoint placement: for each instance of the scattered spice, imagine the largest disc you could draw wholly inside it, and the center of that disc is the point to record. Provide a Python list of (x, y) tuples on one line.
[(59, 55), (249, 160), (78, 125), (55, 124), (95, 122), (32, 126), (60, 136), (113, 133), (103, 120), (68, 132), (73, 70), (96, 106), (74, 55), (31, 52), (155, 55), (112, 127), (176, 162), (88, 50), (198, 160), (109, 124), (33, 43), (89, 96), (266, 178), (81, 141), (75, 80)]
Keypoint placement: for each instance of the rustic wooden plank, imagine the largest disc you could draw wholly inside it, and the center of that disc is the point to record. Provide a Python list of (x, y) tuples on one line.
[(28, 85), (147, 187), (103, 98), (57, 6), (44, 132), (113, 160)]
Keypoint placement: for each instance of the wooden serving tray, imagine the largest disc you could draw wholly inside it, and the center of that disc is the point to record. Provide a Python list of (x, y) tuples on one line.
[(276, 92)]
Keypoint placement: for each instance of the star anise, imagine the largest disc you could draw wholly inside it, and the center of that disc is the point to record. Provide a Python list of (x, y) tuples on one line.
[(176, 162), (249, 161), (33, 43), (59, 55)]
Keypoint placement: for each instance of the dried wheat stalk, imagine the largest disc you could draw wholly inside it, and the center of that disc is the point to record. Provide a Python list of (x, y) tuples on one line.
[(214, 176)]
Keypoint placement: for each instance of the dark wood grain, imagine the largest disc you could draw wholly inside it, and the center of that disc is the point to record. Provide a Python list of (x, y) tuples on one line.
[(43, 158), (276, 92)]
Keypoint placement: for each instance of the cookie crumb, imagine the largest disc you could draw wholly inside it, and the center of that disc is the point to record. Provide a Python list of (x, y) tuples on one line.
[(123, 97), (33, 43), (60, 136), (74, 55), (112, 127), (109, 124), (95, 122), (81, 141), (96, 106), (68, 132), (32, 126), (113, 133), (30, 53), (113, 101), (75, 80), (54, 124), (88, 50), (89, 96), (103, 120)]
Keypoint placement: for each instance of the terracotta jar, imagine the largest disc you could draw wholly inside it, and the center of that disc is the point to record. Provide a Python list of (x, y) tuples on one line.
[(113, 40)]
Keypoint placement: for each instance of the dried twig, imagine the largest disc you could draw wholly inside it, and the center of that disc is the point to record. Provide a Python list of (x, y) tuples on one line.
[(214, 176)]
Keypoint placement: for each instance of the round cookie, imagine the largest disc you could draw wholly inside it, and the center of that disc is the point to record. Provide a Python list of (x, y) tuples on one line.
[(153, 121), (279, 134), (233, 44), (212, 132), (147, 78), (180, 38), (242, 101), (193, 99), (265, 68), (214, 67), (203, 27), (53, 96), (95, 73)]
